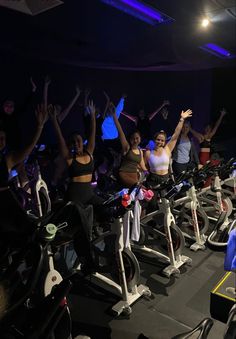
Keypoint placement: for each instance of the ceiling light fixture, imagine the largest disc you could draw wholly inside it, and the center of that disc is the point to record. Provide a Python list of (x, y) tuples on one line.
[(140, 10), (205, 22)]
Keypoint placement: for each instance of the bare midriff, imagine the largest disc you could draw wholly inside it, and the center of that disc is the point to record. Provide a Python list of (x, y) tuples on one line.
[(205, 149), (160, 172), (82, 178)]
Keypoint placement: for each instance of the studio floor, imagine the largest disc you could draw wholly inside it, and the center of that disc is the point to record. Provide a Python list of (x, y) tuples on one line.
[(177, 304)]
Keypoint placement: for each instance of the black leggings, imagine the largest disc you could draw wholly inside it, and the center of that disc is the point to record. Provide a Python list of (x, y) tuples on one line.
[(82, 193)]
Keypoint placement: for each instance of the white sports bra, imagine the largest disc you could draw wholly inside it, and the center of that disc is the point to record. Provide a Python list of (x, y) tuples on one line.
[(159, 162)]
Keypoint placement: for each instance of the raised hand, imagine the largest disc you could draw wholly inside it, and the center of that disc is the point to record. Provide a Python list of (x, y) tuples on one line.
[(223, 112), (186, 114), (91, 108), (166, 102), (41, 115), (52, 112), (34, 87), (165, 113)]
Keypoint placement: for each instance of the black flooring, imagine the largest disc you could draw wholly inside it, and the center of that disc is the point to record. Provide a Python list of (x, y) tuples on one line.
[(176, 304)]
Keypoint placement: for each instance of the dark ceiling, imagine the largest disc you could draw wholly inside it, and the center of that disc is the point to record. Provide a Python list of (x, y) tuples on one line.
[(91, 33)]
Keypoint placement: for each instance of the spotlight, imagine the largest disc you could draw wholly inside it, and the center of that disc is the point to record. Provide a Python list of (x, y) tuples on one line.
[(205, 22)]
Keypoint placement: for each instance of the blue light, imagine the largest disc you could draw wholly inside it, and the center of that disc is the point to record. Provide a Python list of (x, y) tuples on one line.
[(217, 51), (143, 9), (140, 10)]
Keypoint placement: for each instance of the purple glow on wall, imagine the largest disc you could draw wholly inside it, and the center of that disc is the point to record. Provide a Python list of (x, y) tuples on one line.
[(217, 51), (140, 10)]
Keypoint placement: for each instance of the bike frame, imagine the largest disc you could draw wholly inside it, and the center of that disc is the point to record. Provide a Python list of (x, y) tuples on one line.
[(191, 200)]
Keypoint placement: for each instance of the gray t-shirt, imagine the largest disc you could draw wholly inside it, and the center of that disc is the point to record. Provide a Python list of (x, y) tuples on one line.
[(182, 152)]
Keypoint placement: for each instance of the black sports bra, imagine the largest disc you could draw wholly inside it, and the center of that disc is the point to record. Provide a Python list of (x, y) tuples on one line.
[(205, 144), (77, 169)]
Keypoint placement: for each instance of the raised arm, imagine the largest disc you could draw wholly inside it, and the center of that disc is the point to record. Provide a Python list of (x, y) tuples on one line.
[(61, 141), (197, 135), (91, 139), (184, 115), (86, 96), (47, 82), (123, 140), (153, 114), (218, 122), (120, 106), (130, 117), (33, 85), (108, 101), (67, 110), (17, 157)]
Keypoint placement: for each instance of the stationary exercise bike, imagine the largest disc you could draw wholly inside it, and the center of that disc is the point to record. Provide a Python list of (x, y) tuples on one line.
[(212, 199), (217, 239), (29, 280), (115, 266), (33, 195), (228, 181), (190, 216), (160, 236)]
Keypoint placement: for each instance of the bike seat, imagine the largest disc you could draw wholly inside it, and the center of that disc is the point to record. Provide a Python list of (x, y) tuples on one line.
[(199, 332), (230, 332)]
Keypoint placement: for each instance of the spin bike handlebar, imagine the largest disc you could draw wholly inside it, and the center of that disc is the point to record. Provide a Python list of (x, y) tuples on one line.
[(169, 189), (122, 201), (227, 168)]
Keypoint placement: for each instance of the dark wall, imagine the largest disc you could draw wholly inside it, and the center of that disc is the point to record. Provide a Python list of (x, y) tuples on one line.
[(202, 91), (224, 92)]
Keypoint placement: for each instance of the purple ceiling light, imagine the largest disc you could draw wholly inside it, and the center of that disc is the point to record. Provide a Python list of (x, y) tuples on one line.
[(140, 10), (217, 51)]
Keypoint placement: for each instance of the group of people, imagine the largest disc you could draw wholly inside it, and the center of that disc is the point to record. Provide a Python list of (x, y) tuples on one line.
[(78, 159)]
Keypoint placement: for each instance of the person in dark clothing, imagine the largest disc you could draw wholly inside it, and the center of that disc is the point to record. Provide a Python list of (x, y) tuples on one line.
[(102, 155), (80, 166), (205, 138), (12, 217), (10, 117), (142, 122), (79, 161)]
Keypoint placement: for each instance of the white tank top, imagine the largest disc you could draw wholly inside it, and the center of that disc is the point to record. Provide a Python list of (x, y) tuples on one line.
[(159, 162)]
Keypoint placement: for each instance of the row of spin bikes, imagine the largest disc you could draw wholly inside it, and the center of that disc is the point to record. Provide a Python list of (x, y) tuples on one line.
[(35, 289)]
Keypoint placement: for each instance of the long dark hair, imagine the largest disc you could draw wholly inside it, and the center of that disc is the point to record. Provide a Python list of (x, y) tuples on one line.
[(136, 131)]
